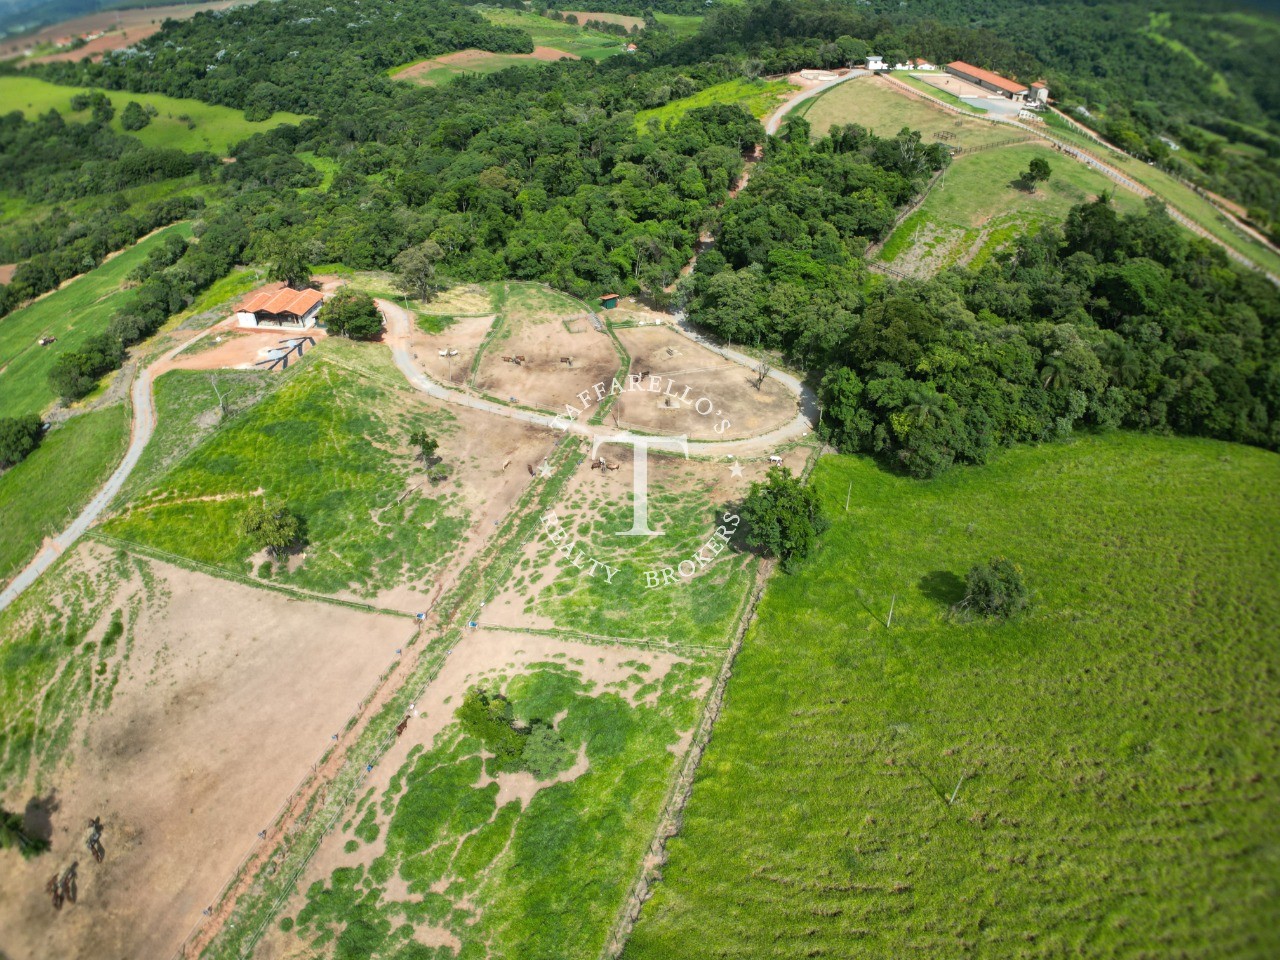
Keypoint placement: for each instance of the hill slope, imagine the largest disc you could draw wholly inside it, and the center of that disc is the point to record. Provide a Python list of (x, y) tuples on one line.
[(1112, 754)]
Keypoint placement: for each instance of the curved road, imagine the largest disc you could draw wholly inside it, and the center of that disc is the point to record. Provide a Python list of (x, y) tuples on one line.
[(400, 326), (144, 425), (775, 119)]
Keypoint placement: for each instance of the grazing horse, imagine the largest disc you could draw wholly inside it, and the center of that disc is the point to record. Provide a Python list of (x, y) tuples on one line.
[(401, 726), (94, 840), (54, 889)]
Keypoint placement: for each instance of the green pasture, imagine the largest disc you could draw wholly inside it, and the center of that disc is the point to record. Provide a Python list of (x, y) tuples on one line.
[(40, 496), (699, 610), (79, 310), (189, 125), (757, 97), (679, 24), (541, 880), (884, 111), (976, 206), (577, 40), (191, 404), (331, 444), (1088, 780), (63, 650)]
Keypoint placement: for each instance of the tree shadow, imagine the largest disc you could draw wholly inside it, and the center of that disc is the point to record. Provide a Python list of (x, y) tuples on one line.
[(37, 818), (942, 586)]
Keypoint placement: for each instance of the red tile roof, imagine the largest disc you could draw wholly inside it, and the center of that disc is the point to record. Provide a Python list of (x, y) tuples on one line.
[(284, 300), (959, 66)]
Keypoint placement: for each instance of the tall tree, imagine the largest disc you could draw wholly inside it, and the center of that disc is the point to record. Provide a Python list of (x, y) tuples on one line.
[(417, 268), (289, 264), (784, 517)]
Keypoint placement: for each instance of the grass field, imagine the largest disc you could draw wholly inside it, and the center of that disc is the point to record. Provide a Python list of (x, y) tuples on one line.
[(74, 313), (39, 496), (700, 612), (61, 659), (757, 97), (579, 41), (885, 111), (542, 879), (188, 410), (331, 444), (678, 24), (943, 95), (210, 127), (975, 208), (1094, 779)]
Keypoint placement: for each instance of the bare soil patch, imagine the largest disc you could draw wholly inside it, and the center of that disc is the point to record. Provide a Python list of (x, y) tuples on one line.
[(435, 351), (542, 379), (621, 19), (229, 695), (481, 655), (126, 27), (230, 347), (481, 59), (463, 58), (729, 387), (7, 271)]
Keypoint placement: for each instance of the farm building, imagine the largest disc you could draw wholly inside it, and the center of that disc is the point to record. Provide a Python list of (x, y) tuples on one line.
[(988, 80), (280, 307), (1040, 91), (875, 63)]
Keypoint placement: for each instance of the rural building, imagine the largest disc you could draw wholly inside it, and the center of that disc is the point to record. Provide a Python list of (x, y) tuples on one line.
[(280, 307), (988, 80), (609, 301), (1040, 91), (915, 63), (876, 63)]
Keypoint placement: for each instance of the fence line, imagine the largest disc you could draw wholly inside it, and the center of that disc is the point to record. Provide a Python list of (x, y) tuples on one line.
[(1102, 167)]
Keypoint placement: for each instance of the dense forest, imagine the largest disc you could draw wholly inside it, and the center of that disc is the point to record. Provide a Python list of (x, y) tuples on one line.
[(303, 56), (1109, 321), (542, 173)]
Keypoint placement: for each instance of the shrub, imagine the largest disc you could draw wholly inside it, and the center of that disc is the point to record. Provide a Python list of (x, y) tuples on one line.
[(487, 717), (352, 314), (133, 117), (545, 751), (784, 517), (995, 589), (18, 437), (276, 529)]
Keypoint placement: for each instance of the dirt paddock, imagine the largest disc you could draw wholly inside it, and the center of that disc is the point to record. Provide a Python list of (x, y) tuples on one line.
[(479, 654), (542, 380), (228, 697), (729, 387)]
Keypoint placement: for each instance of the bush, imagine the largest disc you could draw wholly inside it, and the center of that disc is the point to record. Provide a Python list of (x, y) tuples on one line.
[(275, 529), (784, 517), (995, 589), (133, 117), (352, 314), (439, 472), (18, 437), (545, 751), (487, 717)]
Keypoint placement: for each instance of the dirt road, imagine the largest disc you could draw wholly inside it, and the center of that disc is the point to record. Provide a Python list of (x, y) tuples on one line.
[(400, 325), (144, 425)]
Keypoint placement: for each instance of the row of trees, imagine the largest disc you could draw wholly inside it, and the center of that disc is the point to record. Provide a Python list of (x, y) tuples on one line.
[(172, 276)]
